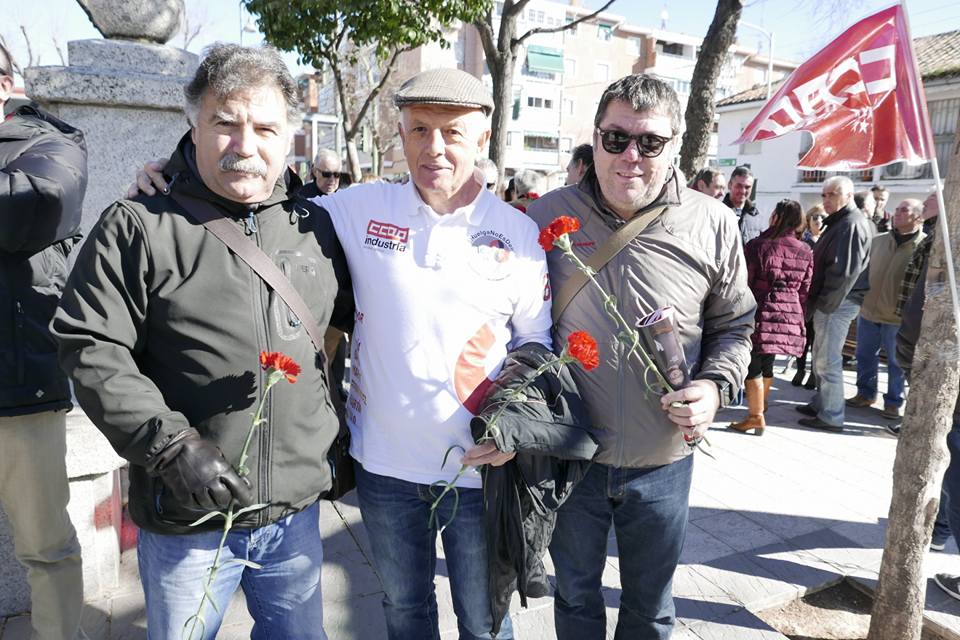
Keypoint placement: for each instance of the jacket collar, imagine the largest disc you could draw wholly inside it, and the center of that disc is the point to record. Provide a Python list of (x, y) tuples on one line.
[(24, 122), (839, 214), (590, 186), (185, 178), (747, 207)]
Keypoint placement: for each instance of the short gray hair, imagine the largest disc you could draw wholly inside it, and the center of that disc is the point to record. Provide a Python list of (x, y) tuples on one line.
[(843, 183), (228, 68), (528, 181), (328, 154), (645, 94)]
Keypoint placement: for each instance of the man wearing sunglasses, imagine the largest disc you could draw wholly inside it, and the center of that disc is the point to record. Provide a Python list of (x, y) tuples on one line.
[(687, 257), (326, 175)]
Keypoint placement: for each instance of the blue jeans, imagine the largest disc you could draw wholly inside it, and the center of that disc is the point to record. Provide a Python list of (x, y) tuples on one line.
[(648, 510), (396, 514), (831, 330), (871, 337), (951, 478), (283, 596)]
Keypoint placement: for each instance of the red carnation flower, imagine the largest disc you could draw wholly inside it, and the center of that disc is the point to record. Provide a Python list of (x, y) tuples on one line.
[(583, 347), (564, 224), (546, 239), (280, 362)]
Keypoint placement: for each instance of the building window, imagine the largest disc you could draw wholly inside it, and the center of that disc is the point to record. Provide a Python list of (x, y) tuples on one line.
[(670, 48), (568, 106), (540, 17), (509, 138), (572, 30), (531, 15), (601, 71), (499, 5), (535, 142), (604, 32), (547, 103)]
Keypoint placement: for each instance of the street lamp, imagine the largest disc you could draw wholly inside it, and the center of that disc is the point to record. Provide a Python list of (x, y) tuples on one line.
[(769, 35)]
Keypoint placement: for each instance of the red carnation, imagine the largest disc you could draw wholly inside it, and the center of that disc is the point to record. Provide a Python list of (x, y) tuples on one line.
[(546, 239), (583, 347), (564, 224), (280, 362)]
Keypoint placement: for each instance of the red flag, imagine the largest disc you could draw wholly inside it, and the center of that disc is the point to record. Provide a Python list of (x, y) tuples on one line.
[(860, 97)]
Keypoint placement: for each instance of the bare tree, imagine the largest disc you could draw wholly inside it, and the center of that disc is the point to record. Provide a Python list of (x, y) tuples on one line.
[(59, 49), (501, 53), (921, 451), (194, 22), (703, 85)]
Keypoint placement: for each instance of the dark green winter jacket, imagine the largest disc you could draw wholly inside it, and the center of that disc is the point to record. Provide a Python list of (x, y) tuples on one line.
[(160, 328)]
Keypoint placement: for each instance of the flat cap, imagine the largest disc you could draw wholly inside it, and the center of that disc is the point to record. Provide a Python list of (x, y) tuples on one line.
[(450, 87)]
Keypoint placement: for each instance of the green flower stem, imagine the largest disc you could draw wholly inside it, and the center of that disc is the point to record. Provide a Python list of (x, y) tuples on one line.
[(273, 377), (611, 309), (560, 360)]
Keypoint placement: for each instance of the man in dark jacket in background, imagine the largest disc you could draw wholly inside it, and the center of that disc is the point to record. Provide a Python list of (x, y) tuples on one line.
[(840, 257), (43, 177), (751, 223), (161, 327)]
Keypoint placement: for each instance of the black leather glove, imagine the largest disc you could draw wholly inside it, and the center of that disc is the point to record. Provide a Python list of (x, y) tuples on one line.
[(198, 475)]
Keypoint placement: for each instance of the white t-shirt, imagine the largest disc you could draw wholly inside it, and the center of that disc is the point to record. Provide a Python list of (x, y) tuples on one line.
[(440, 300)]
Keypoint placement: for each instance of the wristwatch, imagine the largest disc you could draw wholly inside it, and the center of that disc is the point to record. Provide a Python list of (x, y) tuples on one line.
[(728, 395)]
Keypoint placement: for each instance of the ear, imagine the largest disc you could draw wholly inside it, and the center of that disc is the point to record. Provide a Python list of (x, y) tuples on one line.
[(483, 140), (6, 89), (193, 134)]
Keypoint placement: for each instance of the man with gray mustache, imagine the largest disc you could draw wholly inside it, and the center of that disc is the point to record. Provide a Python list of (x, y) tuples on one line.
[(161, 327)]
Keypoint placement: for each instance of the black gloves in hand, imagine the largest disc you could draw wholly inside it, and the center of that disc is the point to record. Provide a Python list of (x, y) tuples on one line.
[(198, 475)]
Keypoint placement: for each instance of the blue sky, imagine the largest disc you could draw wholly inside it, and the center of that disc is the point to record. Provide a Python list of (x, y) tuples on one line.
[(801, 27)]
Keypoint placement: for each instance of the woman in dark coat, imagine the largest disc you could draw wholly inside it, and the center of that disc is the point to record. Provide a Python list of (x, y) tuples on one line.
[(779, 270)]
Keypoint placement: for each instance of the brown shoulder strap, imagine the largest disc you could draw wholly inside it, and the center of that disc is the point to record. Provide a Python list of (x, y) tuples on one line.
[(599, 259), (229, 234)]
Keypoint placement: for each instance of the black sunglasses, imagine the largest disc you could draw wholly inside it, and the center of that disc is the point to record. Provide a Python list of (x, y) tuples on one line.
[(649, 145), (330, 174)]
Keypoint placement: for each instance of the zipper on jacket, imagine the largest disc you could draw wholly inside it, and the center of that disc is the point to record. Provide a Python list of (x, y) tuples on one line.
[(261, 302), (18, 323), (622, 365), (250, 223)]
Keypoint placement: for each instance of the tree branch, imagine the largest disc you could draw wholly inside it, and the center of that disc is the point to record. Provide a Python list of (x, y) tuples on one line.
[(387, 70), (569, 25), (485, 29), (26, 39), (511, 9)]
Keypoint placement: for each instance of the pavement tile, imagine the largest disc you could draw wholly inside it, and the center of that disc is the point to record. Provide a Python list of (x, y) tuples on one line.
[(745, 582), (700, 547), (737, 531), (793, 565), (739, 625), (360, 618), (698, 600), (16, 628)]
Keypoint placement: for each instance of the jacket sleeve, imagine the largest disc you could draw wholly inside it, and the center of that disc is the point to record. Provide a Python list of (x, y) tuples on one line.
[(41, 194), (852, 258), (807, 278), (728, 318), (101, 326)]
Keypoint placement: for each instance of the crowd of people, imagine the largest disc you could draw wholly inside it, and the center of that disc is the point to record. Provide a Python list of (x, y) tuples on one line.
[(448, 298)]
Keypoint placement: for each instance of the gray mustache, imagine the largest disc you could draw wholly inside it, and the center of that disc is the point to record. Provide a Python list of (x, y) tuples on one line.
[(253, 166)]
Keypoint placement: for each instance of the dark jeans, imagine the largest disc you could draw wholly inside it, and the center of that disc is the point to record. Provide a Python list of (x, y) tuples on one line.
[(396, 514), (950, 492), (648, 511)]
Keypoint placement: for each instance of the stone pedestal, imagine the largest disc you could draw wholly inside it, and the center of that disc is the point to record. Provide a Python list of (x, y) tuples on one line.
[(95, 509), (127, 98)]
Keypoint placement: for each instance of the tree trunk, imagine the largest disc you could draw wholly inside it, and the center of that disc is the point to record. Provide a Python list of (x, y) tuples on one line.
[(502, 112), (921, 449), (703, 86), (353, 158)]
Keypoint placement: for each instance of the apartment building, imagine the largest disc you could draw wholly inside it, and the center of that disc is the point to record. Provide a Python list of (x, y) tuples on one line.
[(559, 77)]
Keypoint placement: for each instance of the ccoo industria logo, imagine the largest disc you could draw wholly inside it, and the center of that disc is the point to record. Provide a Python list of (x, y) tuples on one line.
[(384, 235)]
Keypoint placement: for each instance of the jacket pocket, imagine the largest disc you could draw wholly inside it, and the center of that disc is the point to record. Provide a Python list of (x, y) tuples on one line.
[(304, 272)]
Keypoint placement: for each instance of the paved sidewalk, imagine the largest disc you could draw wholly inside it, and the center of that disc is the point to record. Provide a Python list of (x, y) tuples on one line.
[(771, 518)]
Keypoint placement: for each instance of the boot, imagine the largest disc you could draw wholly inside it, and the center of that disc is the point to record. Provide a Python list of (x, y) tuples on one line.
[(754, 421), (812, 381), (767, 383), (801, 371)]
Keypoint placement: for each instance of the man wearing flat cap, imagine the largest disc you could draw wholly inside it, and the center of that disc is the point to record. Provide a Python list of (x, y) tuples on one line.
[(447, 279)]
